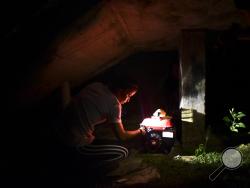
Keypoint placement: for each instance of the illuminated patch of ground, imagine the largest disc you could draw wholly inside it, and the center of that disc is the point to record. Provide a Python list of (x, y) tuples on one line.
[(191, 171)]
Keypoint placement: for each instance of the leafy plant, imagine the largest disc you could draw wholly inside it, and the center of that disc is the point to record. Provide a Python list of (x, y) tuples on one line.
[(205, 158), (208, 158), (233, 120), (200, 150), (245, 150)]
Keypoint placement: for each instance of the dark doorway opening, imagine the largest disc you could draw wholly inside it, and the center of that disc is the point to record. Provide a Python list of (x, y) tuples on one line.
[(227, 78)]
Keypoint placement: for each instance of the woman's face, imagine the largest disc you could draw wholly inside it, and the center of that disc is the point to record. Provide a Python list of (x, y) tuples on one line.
[(126, 95)]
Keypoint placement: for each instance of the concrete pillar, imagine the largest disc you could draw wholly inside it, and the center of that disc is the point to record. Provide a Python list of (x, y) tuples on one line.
[(192, 104)]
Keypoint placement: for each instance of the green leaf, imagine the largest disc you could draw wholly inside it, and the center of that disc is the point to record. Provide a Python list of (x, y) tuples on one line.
[(240, 115), (234, 114), (235, 130), (232, 128), (231, 111), (226, 119), (234, 124), (240, 125)]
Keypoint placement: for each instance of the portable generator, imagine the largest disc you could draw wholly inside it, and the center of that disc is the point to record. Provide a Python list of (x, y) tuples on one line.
[(160, 133)]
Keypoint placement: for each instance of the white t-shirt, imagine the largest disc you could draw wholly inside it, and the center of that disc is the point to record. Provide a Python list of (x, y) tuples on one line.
[(96, 104)]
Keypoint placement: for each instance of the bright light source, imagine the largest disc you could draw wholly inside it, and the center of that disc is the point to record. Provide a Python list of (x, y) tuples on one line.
[(156, 122)]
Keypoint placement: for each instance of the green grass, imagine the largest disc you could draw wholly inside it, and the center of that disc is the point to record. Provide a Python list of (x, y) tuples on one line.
[(245, 150), (191, 171), (176, 172)]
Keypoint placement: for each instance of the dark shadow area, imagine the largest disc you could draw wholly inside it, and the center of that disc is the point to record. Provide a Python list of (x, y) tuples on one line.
[(27, 31), (227, 81), (30, 150)]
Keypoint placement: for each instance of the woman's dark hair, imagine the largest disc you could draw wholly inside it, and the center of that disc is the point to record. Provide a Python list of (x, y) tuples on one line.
[(121, 82)]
